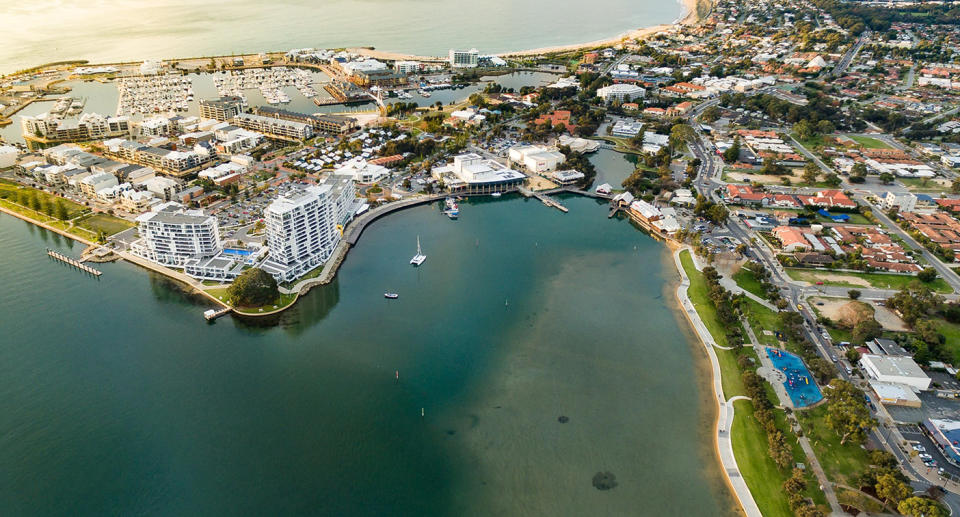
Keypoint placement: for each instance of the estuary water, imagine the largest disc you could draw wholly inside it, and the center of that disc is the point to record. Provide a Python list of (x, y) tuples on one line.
[(113, 30), (117, 398)]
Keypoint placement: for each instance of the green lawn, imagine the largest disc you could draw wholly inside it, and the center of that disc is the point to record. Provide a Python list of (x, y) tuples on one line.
[(106, 223), (760, 319), (878, 280), (812, 143), (284, 300), (10, 189), (869, 143), (840, 462), (951, 331), (748, 282), (759, 471), (921, 183), (729, 370)]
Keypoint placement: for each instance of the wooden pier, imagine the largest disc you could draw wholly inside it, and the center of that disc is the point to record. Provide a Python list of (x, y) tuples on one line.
[(73, 262)]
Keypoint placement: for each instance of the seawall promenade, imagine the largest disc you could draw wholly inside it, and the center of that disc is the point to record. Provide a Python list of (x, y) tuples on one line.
[(725, 410)]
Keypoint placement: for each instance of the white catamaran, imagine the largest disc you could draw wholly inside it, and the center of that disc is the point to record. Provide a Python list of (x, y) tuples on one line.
[(419, 257)]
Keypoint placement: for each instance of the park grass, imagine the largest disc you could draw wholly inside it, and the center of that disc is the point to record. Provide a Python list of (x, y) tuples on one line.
[(868, 142), (284, 300), (877, 280), (811, 143), (950, 331), (763, 477), (840, 462), (697, 292), (749, 282), (105, 223), (921, 184), (760, 319), (859, 500), (10, 189)]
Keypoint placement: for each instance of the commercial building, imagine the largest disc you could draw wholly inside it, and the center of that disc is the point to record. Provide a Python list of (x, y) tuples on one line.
[(566, 177), (304, 227), (223, 108), (274, 127), (172, 235), (362, 171), (338, 124), (892, 394), (464, 58), (894, 369), (946, 434), (471, 173), (621, 92), (536, 158)]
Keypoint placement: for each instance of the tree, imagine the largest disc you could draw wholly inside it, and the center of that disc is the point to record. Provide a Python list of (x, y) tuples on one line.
[(853, 355), (710, 115), (847, 413), (865, 331), (60, 210), (921, 507), (892, 489), (810, 173), (853, 294), (858, 173), (955, 186), (927, 275), (886, 178), (832, 180), (732, 154), (252, 288)]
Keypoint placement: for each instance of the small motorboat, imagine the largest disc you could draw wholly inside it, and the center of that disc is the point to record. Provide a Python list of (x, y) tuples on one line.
[(391, 296), (496, 194)]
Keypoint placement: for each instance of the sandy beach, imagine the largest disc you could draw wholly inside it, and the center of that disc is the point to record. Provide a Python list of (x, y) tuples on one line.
[(689, 18)]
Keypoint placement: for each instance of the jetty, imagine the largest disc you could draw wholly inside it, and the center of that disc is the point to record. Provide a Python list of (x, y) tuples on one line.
[(73, 262), (544, 198), (212, 314)]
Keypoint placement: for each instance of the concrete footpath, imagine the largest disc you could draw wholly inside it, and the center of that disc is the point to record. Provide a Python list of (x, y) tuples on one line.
[(724, 443)]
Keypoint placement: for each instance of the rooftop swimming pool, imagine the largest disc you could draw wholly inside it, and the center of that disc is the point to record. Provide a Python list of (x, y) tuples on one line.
[(800, 385)]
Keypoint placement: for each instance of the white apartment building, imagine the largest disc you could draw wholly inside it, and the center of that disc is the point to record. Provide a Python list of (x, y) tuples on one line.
[(90, 185), (905, 201), (90, 126), (273, 126), (621, 92), (172, 235), (304, 227), (406, 67), (464, 58)]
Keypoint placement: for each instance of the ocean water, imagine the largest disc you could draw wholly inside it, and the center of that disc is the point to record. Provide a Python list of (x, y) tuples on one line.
[(112, 30), (117, 398)]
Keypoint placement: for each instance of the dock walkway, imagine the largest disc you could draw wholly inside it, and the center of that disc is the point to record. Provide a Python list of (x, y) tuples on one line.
[(73, 262)]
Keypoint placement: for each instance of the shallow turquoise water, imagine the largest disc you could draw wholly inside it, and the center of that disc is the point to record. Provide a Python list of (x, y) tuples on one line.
[(116, 398)]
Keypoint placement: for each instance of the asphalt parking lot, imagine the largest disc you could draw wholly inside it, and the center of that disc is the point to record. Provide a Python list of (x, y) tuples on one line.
[(913, 434)]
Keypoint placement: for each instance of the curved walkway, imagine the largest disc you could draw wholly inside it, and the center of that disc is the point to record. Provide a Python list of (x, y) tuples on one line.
[(725, 418)]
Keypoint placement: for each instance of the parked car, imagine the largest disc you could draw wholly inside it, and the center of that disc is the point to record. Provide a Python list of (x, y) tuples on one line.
[(918, 447)]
